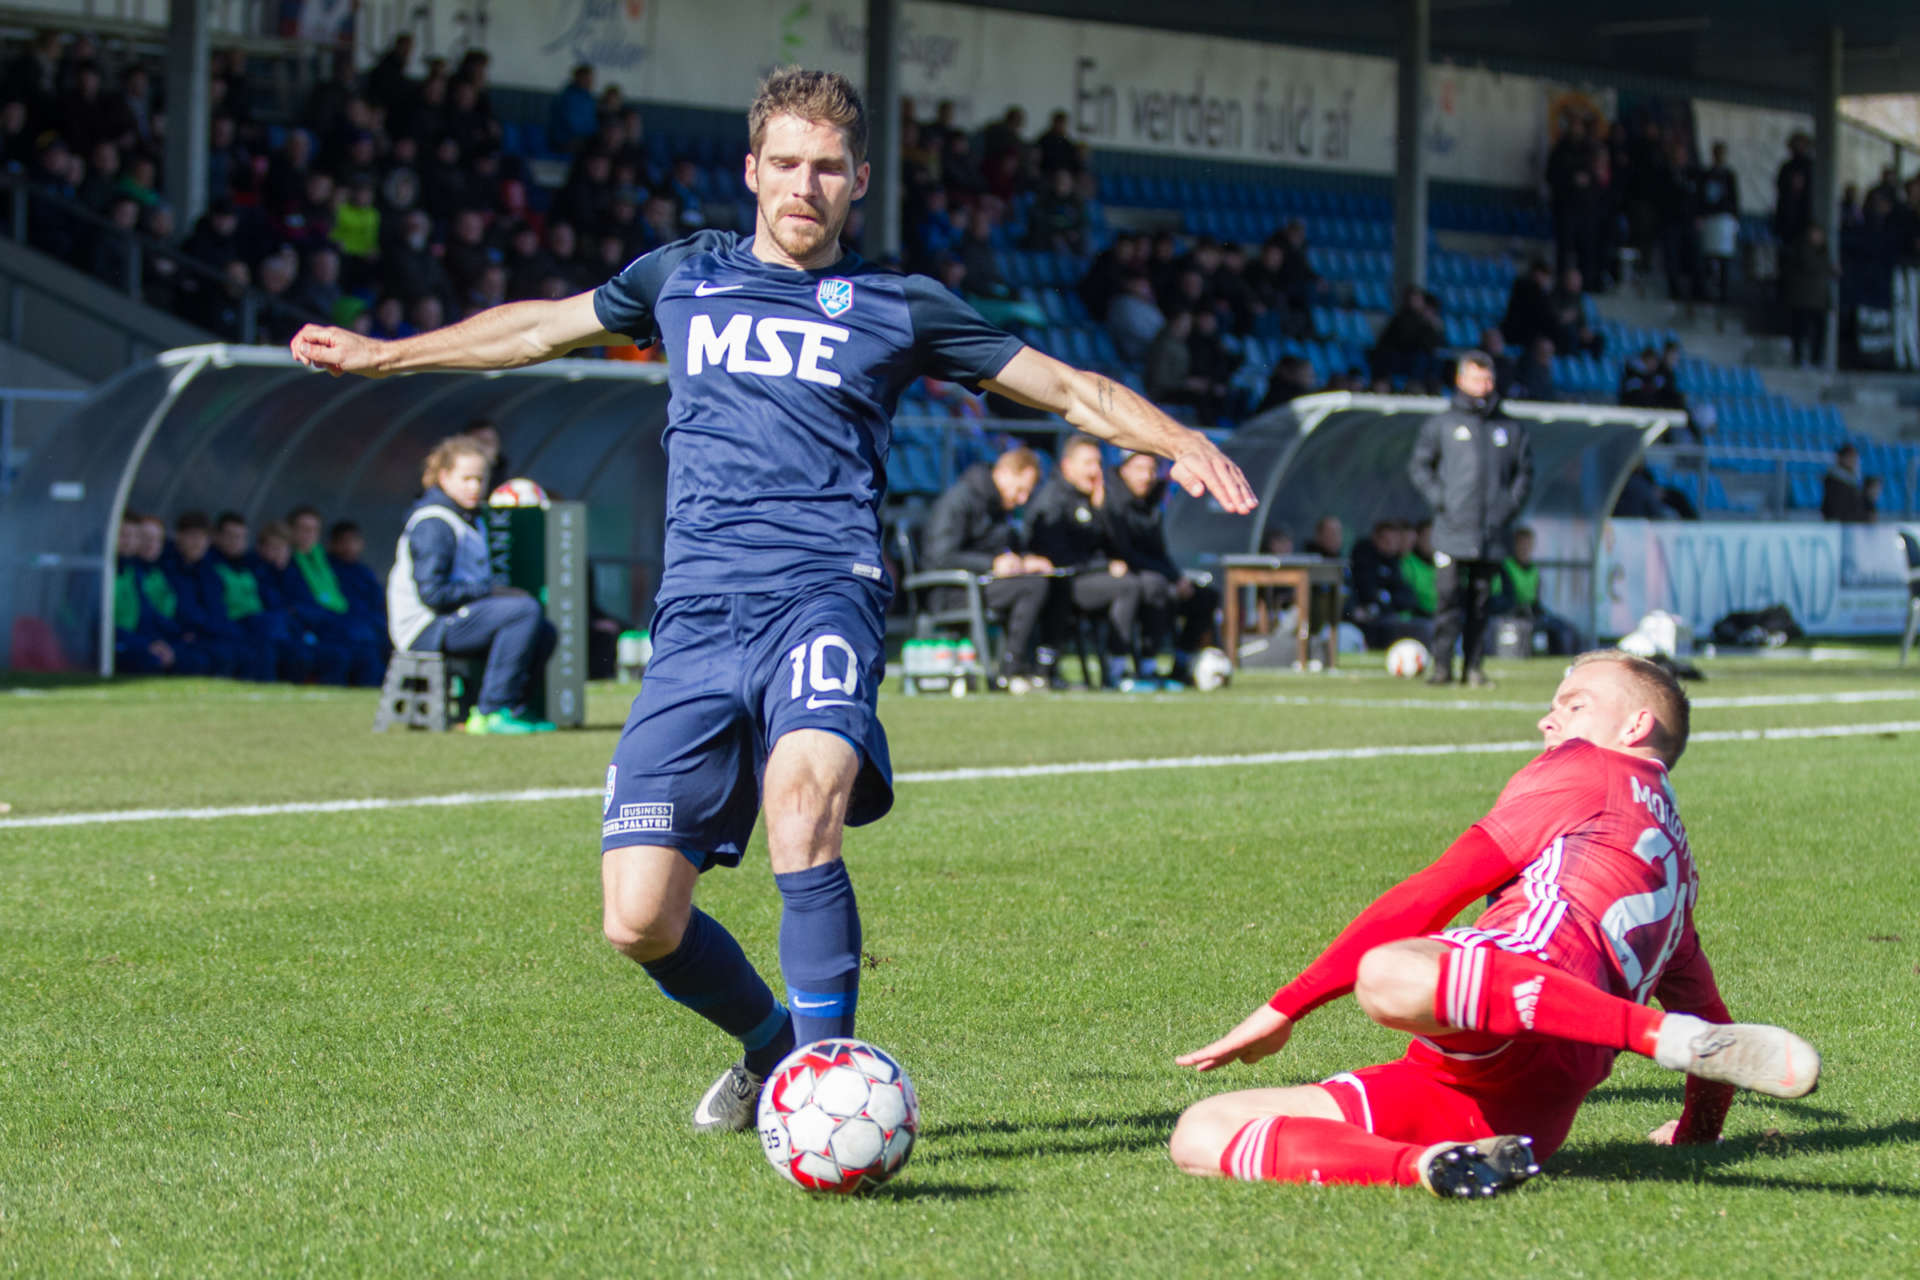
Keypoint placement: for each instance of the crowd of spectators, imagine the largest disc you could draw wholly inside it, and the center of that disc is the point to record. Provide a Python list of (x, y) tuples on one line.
[(391, 207)]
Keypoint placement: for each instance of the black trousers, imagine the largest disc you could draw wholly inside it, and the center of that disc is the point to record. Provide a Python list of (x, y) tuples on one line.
[(1463, 588), (1161, 609), (1022, 598), (1095, 592)]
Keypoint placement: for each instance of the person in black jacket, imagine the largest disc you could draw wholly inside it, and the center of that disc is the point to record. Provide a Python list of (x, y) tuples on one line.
[(1382, 603), (1068, 526), (968, 528), (1474, 466), (1135, 495)]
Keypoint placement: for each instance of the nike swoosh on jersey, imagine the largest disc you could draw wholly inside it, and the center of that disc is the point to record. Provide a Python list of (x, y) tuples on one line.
[(816, 702), (705, 290)]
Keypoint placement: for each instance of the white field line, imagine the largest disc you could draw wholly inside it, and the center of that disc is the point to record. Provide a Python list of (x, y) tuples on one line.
[(984, 773), (1843, 698)]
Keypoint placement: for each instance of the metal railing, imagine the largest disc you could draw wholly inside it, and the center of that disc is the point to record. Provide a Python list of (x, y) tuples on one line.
[(28, 201)]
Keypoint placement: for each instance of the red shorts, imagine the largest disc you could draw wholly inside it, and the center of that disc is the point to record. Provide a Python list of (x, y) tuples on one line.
[(1472, 1085)]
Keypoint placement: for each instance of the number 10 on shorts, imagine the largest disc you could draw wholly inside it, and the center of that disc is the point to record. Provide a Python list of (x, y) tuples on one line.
[(815, 665)]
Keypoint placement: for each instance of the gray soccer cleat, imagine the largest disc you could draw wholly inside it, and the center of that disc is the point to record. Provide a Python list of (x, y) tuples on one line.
[(1748, 1055), (732, 1104), (1478, 1170)]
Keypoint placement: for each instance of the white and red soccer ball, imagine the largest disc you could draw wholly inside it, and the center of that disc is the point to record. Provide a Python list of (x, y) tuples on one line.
[(838, 1116), (519, 492), (1407, 658)]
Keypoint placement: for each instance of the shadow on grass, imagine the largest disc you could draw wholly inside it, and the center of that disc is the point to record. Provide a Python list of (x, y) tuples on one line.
[(1019, 1140), (909, 1189), (1643, 1162), (1675, 1092)]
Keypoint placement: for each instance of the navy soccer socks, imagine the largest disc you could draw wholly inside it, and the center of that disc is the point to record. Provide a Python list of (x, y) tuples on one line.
[(709, 974), (820, 950)]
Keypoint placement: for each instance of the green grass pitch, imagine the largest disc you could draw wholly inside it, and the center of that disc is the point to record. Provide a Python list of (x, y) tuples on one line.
[(393, 1043)]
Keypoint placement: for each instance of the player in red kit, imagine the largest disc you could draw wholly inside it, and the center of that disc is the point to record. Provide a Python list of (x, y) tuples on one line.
[(1515, 1019)]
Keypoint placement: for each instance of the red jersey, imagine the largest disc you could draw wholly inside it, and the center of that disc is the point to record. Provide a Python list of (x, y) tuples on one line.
[(1608, 885)]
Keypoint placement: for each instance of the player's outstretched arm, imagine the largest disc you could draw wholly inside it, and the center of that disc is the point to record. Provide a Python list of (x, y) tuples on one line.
[(1099, 406), (1260, 1034), (504, 337)]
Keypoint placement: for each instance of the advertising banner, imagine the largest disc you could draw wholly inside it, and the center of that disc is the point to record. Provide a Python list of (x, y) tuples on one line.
[(1837, 580)]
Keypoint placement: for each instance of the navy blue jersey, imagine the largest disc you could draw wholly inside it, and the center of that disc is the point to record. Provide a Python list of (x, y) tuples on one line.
[(783, 385)]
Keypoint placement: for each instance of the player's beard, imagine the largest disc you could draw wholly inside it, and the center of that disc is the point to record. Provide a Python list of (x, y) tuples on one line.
[(803, 240)]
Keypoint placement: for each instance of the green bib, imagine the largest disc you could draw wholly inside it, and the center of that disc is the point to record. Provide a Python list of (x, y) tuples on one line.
[(241, 591), (1419, 576), (1525, 580), (126, 600), (320, 580), (159, 593)]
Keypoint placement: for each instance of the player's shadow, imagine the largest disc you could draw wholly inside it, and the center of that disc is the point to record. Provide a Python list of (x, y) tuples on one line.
[(1640, 1161), (1607, 1093), (1021, 1140)]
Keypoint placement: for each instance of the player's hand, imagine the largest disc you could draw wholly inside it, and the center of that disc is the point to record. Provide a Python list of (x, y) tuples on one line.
[(1259, 1034), (1664, 1135), (337, 350), (1118, 568), (1202, 469), (1006, 564), (1037, 564)]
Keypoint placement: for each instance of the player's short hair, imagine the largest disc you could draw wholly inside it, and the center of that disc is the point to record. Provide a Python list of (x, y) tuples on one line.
[(1663, 695), (824, 97), (274, 531), (1020, 461), (1478, 359), (445, 454), (340, 529), (304, 509), (226, 518), (192, 522)]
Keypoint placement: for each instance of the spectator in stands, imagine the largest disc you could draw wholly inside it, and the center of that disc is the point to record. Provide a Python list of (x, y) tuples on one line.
[(1264, 278), (1841, 492), (1134, 320), (318, 289), (1381, 603), (1170, 378), (1807, 274), (1719, 223), (1005, 137), (1533, 379), (1516, 594), (1570, 155), (1211, 365), (1406, 347), (356, 232), (1474, 466), (574, 116), (1640, 378), (1058, 219), (113, 246), (1230, 290), (1058, 152), (979, 256), (387, 83), (1870, 490), (961, 170), (1107, 274), (1505, 368), (970, 527), (1903, 235), (1068, 525), (1292, 377), (1530, 313), (1793, 191), (1174, 609), (1677, 202), (442, 598), (1569, 302), (1299, 281)]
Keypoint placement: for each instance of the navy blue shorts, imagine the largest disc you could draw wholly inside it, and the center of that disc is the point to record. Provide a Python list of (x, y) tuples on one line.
[(730, 674)]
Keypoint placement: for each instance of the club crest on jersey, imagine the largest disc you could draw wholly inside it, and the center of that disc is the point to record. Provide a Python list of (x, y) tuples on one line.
[(835, 296)]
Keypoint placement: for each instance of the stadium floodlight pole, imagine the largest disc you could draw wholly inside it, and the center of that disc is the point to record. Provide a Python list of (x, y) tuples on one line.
[(1410, 157), (189, 109), (1830, 54), (884, 192)]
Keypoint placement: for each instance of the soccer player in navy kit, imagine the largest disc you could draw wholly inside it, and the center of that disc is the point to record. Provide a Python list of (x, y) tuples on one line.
[(787, 357)]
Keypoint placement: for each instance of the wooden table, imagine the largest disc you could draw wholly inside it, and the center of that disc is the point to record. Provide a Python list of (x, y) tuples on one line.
[(1304, 574)]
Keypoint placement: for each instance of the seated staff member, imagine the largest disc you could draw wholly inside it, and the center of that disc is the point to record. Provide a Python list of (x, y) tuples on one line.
[(969, 528), (441, 594), (1068, 525), (1136, 515)]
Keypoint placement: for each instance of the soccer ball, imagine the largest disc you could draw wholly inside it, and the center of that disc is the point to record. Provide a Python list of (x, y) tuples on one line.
[(519, 492), (1406, 658), (838, 1116), (1211, 670)]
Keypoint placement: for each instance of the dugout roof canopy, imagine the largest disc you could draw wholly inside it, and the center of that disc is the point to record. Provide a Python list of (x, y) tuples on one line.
[(249, 429)]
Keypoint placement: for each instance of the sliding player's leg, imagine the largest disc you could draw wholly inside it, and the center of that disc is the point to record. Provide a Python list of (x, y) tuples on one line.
[(1463, 982), (1330, 1134)]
